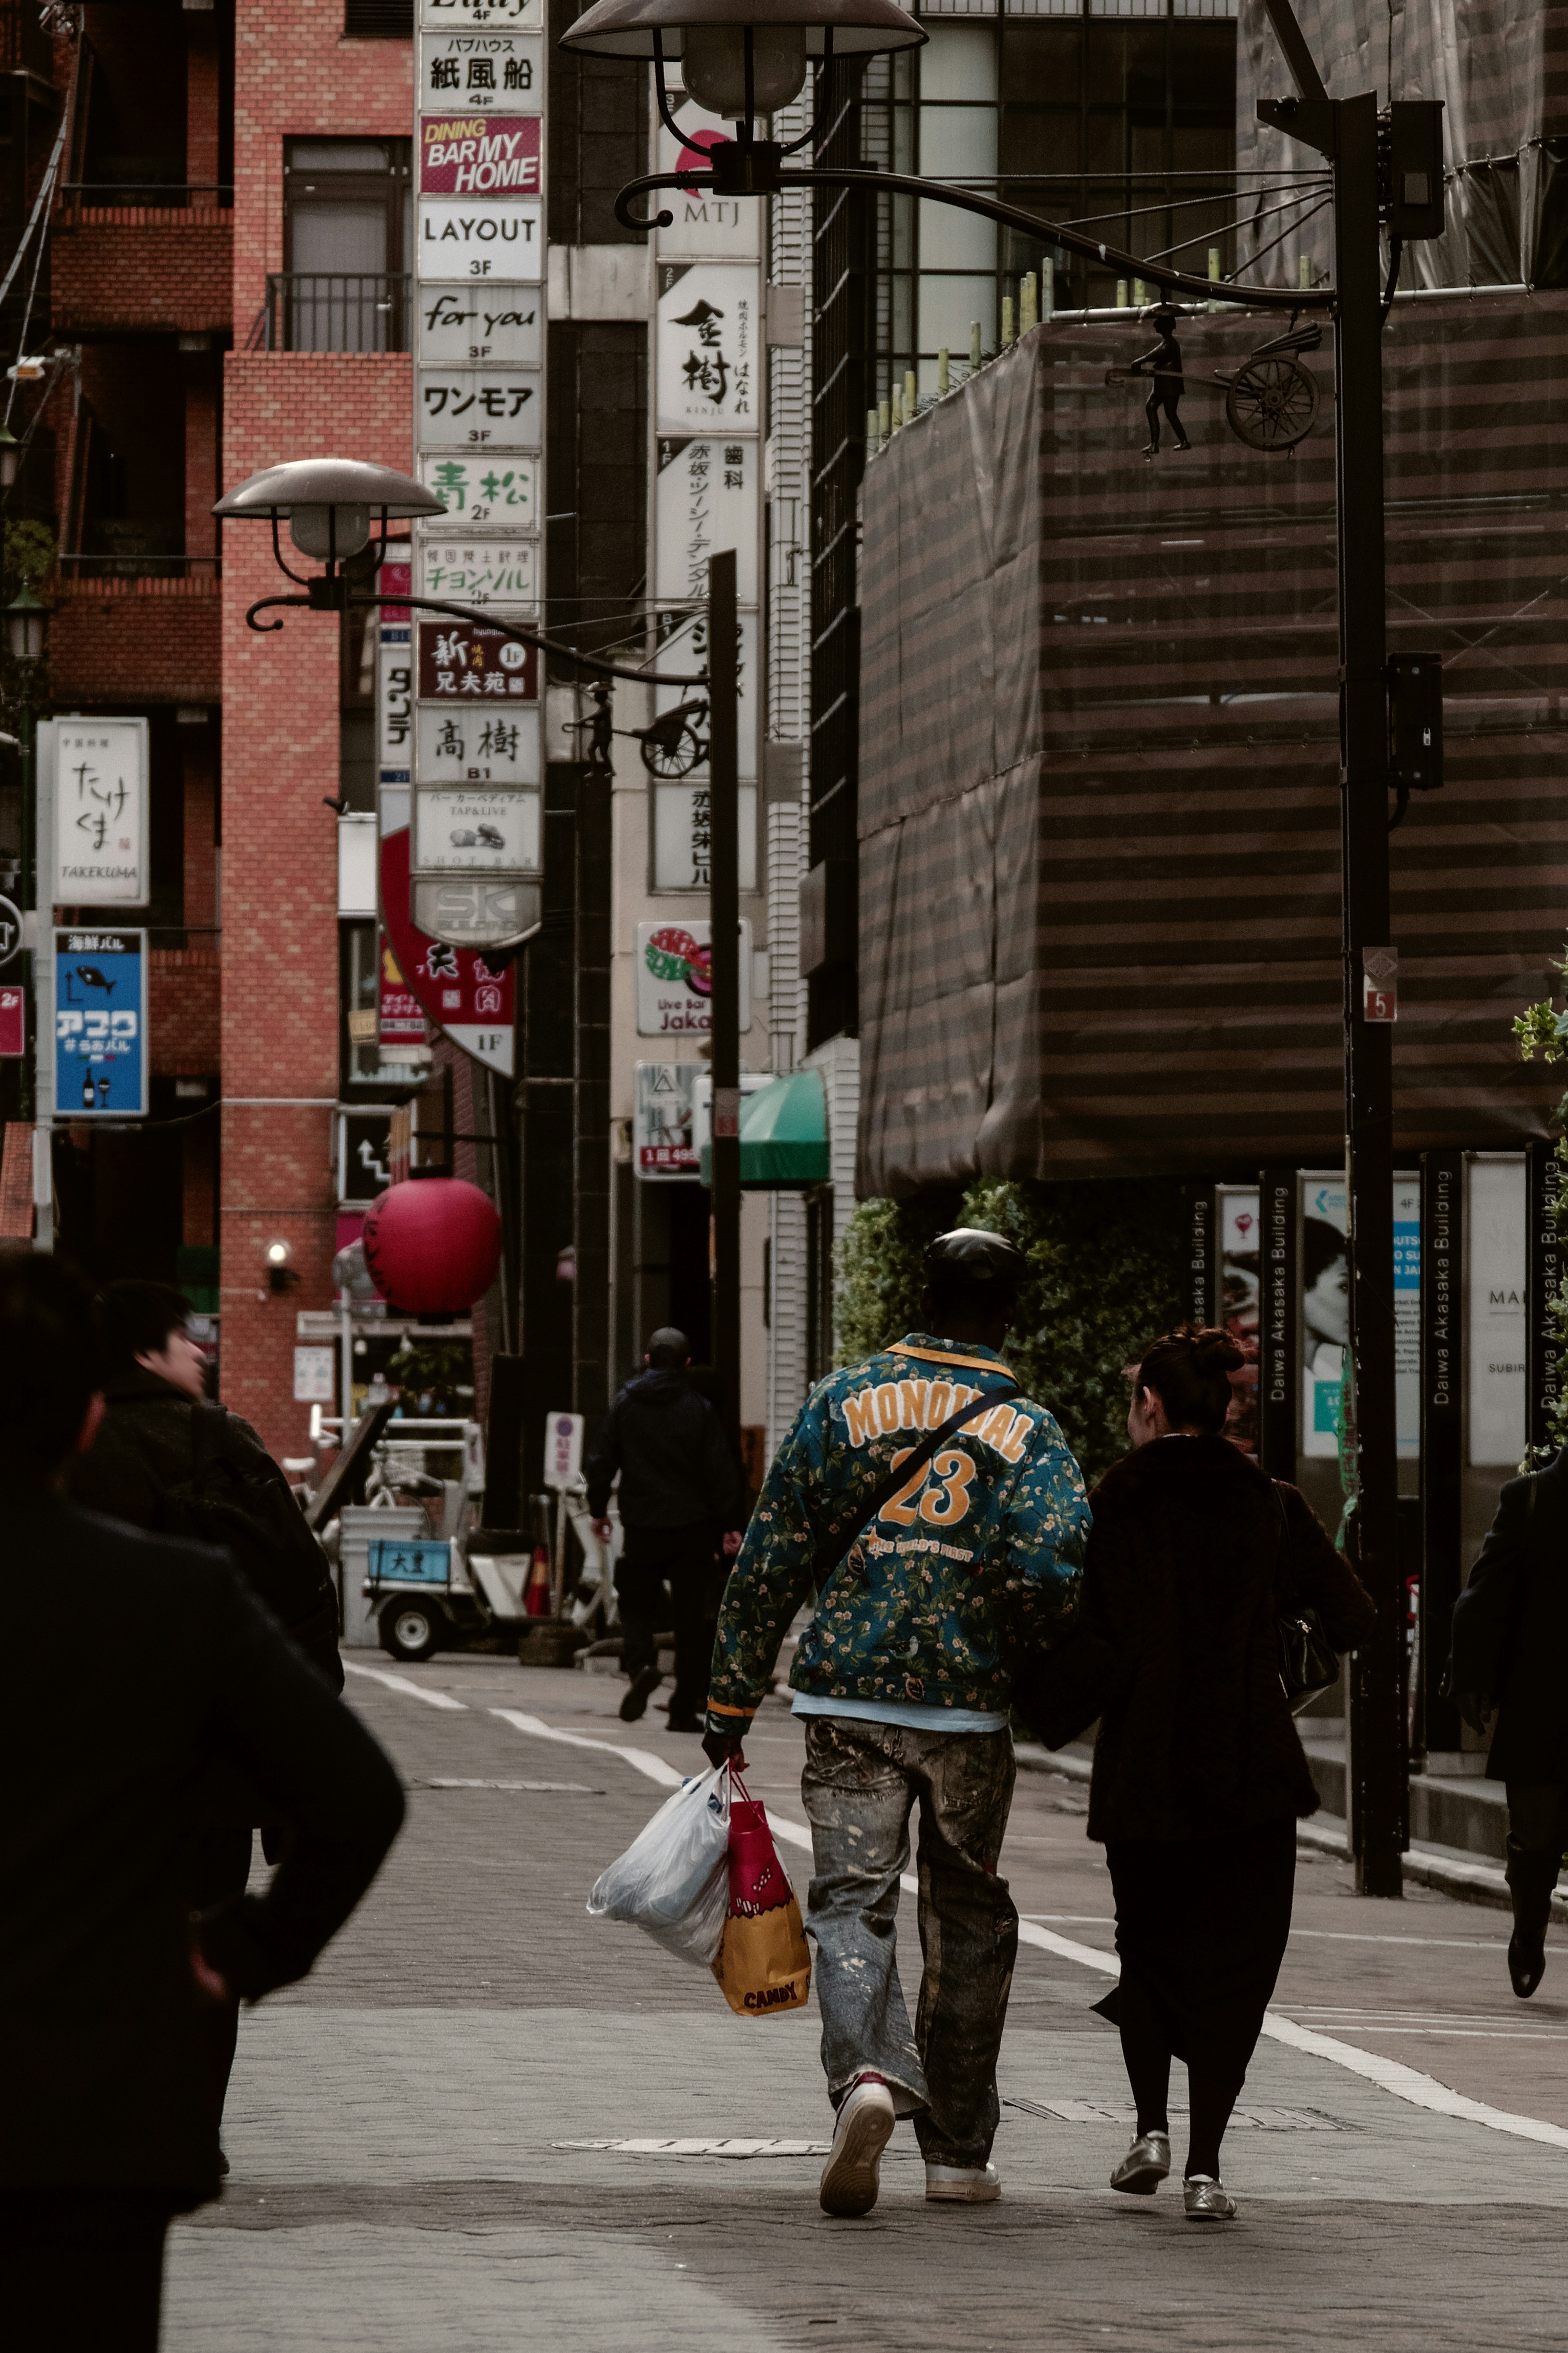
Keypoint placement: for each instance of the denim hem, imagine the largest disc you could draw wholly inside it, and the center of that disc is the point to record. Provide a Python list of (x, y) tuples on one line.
[(907, 2101)]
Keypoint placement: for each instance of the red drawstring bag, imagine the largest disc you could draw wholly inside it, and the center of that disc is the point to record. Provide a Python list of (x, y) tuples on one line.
[(763, 1963)]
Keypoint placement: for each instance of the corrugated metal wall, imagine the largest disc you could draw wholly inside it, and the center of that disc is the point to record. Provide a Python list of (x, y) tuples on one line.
[(1099, 801)]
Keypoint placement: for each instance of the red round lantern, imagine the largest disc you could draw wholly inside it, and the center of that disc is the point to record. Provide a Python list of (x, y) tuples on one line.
[(432, 1245)]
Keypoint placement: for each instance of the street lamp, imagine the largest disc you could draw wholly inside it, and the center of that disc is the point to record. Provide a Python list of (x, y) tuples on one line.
[(10, 457), (1386, 169), (26, 629)]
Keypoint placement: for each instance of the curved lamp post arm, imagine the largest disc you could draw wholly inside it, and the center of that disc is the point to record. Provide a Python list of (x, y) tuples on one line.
[(905, 184), (485, 620)]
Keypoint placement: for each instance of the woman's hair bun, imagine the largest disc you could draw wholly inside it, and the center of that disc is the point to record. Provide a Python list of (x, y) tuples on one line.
[(1189, 1370), (1213, 1348)]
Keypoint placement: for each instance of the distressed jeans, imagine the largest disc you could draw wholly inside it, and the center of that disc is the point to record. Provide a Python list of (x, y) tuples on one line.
[(861, 1781)]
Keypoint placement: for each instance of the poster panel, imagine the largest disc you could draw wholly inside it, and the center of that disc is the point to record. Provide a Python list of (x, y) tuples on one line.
[(496, 492), (475, 571), (100, 1025), (1495, 1318), (1325, 1314), (683, 646), (483, 72), (478, 744), (470, 154), (493, 324), (490, 236), (708, 347), (683, 838), (674, 979), (706, 498), (663, 1152), (476, 829), (479, 409), (101, 811)]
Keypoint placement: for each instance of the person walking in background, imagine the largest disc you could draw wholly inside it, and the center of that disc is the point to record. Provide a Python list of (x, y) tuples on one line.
[(680, 1500), (1510, 1648), (108, 2115), (1199, 1775), (165, 1459), (932, 1584)]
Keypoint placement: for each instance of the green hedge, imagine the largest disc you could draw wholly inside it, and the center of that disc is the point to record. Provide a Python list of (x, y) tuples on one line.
[(1107, 1260)]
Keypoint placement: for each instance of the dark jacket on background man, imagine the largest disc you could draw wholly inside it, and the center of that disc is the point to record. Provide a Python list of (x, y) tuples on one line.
[(107, 1758), (1186, 1558), (170, 1462), (1510, 1628), (669, 1444)]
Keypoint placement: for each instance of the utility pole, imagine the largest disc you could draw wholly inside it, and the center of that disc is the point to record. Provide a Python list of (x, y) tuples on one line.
[(724, 907), (1346, 130)]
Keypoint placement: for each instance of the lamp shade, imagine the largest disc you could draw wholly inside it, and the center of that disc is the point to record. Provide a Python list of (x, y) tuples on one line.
[(625, 29), (432, 1245), (277, 493), (27, 626)]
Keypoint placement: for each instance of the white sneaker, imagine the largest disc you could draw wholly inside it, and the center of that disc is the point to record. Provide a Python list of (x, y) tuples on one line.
[(861, 2132), (970, 2185)]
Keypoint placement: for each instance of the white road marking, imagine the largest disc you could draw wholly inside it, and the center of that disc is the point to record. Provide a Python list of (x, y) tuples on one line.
[(577, 1789), (642, 1761), (402, 1683), (1360, 1937), (1390, 2074)]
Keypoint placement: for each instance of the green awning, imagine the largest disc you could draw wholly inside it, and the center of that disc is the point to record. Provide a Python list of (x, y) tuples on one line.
[(783, 1136)]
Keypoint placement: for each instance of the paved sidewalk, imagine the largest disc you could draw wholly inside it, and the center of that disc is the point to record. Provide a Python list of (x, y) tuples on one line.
[(399, 2124)]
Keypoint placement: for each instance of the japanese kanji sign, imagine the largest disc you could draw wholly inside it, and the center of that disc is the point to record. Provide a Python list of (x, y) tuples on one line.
[(683, 838), (683, 645), (13, 1023), (101, 810), (490, 325), (478, 491), (480, 570), (460, 238), (400, 1015), (705, 499), (463, 661), (479, 155), (100, 1025), (478, 744), (709, 350), (481, 72)]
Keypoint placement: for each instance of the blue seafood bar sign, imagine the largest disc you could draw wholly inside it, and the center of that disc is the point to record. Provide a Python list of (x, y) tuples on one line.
[(100, 1025)]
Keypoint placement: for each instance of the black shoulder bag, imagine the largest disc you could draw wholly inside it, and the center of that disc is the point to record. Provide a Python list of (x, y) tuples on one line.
[(832, 1554), (1308, 1663)]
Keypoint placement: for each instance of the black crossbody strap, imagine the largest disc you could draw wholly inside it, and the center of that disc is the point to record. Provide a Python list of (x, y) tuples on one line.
[(833, 1552)]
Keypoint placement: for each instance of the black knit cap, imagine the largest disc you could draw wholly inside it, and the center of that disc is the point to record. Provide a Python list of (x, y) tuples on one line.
[(969, 1259)]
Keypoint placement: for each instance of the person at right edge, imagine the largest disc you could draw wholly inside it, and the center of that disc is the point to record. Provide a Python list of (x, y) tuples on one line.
[(109, 2110), (1509, 1641), (904, 1677), (1199, 1774)]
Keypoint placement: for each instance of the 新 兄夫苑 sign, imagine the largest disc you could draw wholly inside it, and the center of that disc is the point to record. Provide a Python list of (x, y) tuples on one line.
[(463, 661), (675, 981), (479, 155), (100, 1025), (99, 771)]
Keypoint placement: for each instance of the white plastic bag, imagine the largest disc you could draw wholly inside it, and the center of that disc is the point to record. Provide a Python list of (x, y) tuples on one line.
[(673, 1881)]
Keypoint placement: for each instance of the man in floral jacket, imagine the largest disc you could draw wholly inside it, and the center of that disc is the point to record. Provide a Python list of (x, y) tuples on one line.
[(904, 1676)]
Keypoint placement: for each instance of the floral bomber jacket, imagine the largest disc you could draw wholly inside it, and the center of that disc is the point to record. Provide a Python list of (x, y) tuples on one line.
[(934, 1602)]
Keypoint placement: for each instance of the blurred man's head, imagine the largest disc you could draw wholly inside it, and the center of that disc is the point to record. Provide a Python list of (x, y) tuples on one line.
[(49, 1367), (667, 1350), (971, 1283), (148, 1325)]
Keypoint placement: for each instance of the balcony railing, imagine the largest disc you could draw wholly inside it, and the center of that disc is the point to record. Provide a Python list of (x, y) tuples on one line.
[(153, 195), (311, 310), (136, 555)]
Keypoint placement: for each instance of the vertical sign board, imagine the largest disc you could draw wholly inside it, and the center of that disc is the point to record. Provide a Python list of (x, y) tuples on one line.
[(99, 768), (1495, 1257), (1544, 1273), (478, 430), (1201, 1270), (1324, 1294), (1442, 1430), (100, 1025), (1278, 1367)]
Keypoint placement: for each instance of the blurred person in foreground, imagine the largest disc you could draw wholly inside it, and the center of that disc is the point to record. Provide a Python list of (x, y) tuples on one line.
[(166, 1457), (681, 1496), (145, 1667), (905, 1677), (1199, 1774)]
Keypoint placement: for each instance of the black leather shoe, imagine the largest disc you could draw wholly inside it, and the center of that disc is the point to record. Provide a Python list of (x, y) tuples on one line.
[(642, 1689), (1526, 1962), (1532, 1876), (684, 1723)]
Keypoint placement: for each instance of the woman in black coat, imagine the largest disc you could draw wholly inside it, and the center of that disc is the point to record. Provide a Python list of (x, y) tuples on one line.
[(1199, 1775)]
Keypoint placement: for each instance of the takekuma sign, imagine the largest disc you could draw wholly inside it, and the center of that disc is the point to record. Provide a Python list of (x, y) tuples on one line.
[(478, 155)]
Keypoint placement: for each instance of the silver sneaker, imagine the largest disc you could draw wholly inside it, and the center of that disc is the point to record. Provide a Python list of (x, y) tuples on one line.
[(1145, 2165), (968, 2185), (850, 2178), (1207, 2201)]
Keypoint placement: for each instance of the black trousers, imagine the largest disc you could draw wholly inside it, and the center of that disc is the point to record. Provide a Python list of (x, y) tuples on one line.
[(679, 1562), (1538, 1819), (81, 2270)]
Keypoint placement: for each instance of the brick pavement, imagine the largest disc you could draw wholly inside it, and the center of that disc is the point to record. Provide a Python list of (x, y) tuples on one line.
[(393, 2121)]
